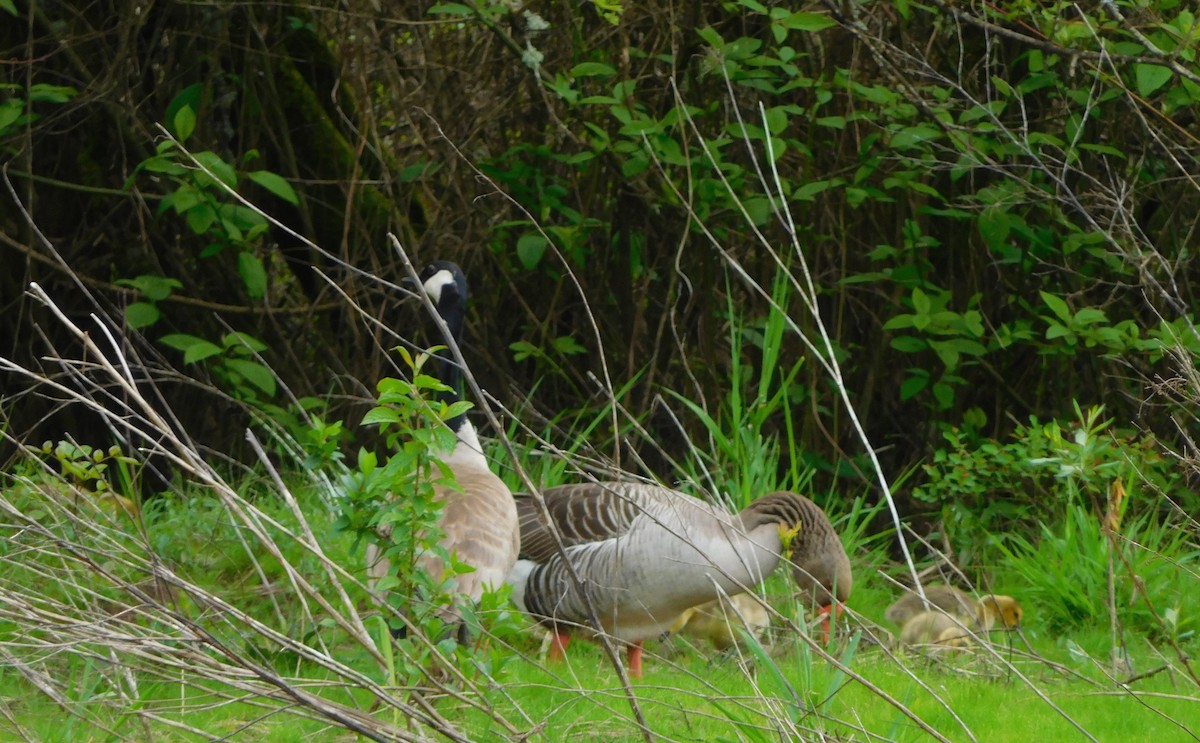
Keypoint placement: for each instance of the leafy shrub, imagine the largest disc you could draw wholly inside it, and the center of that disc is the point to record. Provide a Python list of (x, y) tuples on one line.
[(1063, 572), (985, 487)]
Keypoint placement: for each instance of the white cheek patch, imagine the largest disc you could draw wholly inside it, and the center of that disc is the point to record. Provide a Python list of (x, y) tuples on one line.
[(436, 283)]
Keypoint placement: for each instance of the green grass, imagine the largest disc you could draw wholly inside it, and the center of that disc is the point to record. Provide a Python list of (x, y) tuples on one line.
[(686, 695), (692, 697), (705, 700)]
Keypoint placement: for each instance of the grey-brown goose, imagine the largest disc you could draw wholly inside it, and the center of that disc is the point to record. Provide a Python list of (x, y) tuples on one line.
[(479, 518), (647, 554)]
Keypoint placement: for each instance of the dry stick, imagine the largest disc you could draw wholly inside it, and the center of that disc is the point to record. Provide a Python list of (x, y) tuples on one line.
[(1141, 589), (783, 212), (1036, 155), (1117, 651), (811, 297), (566, 266), (192, 466), (284, 227), (826, 358), (830, 365), (46, 685), (356, 630), (477, 392), (302, 586), (345, 716)]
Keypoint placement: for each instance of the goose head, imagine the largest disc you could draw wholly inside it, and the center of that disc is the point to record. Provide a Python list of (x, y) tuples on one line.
[(820, 567), (446, 285)]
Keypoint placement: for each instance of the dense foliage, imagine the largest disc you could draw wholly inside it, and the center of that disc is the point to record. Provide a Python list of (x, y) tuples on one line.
[(995, 203)]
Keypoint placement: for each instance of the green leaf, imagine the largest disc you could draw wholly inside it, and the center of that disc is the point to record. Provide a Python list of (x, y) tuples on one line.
[(909, 344), (194, 349), (243, 341), (457, 9), (759, 210), (200, 351), (994, 226), (186, 197), (155, 288), (899, 322), (165, 164), (530, 248), (523, 350), (709, 34), (1090, 316), (184, 123), (776, 118), (1058, 307), (1151, 77), (592, 69), (804, 21), (413, 172), (911, 386), (276, 184), (222, 170), (968, 346), (806, 191), (913, 135), (7, 5), (947, 352), (1057, 331), (253, 274), (10, 111), (200, 218), (920, 301), (376, 416), (568, 346), (141, 315), (254, 373), (182, 341), (44, 93), (189, 97), (944, 394)]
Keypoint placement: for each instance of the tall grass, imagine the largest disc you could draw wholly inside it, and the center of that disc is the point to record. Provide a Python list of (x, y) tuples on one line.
[(745, 457), (1064, 571), (235, 603)]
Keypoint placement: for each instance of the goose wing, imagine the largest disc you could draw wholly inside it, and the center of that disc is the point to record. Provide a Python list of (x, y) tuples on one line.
[(584, 513), (645, 553)]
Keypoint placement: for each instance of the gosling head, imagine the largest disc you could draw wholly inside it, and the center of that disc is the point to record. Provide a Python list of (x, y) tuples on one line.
[(1004, 610)]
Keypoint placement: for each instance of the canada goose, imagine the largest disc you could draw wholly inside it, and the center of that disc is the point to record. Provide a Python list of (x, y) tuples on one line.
[(980, 615), (935, 628), (646, 554), (719, 620), (479, 518)]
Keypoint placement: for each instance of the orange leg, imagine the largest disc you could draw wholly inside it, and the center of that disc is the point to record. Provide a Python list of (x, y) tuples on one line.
[(558, 646), (828, 614), (635, 660)]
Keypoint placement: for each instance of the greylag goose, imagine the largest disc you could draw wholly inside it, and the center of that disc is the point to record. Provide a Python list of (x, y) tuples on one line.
[(979, 615), (646, 554), (479, 518)]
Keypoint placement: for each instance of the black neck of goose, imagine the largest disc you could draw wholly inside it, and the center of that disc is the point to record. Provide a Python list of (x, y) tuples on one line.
[(449, 371)]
